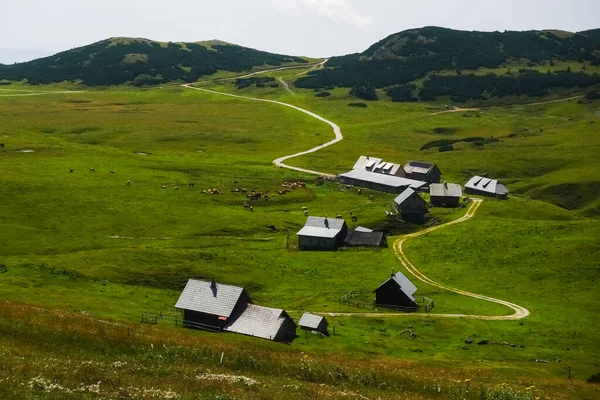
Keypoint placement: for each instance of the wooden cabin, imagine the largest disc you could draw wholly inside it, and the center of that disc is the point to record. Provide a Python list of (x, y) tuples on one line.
[(397, 292), (210, 305), (410, 205), (263, 322), (322, 234), (486, 187), (312, 322), (445, 194), (423, 171)]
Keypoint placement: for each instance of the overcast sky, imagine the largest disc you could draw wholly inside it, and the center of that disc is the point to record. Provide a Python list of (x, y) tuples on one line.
[(316, 28)]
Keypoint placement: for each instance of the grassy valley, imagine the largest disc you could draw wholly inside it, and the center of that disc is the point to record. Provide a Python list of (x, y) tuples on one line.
[(87, 254)]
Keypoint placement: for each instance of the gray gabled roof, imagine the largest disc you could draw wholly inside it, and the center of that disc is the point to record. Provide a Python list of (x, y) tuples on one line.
[(486, 185), (445, 190), (258, 321), (322, 227), (366, 162), (418, 167), (407, 287), (382, 179), (202, 297), (402, 197), (364, 239), (311, 321)]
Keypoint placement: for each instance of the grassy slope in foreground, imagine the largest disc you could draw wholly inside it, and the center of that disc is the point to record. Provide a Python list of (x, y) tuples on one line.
[(107, 360)]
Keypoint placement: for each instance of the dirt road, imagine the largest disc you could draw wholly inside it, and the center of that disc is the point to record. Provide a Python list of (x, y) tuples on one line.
[(280, 162), (519, 312)]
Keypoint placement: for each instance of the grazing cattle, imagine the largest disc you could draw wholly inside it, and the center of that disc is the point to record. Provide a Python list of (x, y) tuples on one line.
[(2, 145), (306, 213), (304, 208), (354, 218), (92, 170), (176, 188), (163, 187), (272, 227), (371, 197), (359, 191), (339, 217), (112, 172), (192, 184), (71, 170), (128, 182), (287, 211)]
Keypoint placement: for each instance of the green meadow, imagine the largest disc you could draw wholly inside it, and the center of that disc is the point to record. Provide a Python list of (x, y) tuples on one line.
[(86, 242)]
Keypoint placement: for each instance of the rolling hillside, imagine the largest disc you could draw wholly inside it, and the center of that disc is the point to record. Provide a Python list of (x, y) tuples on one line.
[(140, 61), (517, 63)]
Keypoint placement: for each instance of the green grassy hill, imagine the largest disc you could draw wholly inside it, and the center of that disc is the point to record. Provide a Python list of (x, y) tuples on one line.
[(401, 61), (140, 61)]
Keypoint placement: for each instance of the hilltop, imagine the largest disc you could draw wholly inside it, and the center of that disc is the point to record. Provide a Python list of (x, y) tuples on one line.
[(429, 62), (139, 61)]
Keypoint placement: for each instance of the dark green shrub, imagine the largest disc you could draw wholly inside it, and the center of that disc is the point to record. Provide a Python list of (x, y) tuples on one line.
[(595, 95), (365, 92)]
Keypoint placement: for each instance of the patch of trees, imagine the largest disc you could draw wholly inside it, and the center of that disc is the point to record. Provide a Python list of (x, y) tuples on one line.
[(102, 63), (595, 95), (257, 81), (402, 93), (365, 92), (406, 56), (444, 143), (528, 83)]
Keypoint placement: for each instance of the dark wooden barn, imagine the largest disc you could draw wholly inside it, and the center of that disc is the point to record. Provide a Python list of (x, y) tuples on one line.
[(322, 234), (445, 194), (423, 171), (312, 322), (410, 205), (396, 292), (210, 305), (216, 307)]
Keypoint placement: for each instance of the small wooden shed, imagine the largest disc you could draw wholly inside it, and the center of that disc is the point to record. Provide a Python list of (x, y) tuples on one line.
[(397, 292), (312, 322)]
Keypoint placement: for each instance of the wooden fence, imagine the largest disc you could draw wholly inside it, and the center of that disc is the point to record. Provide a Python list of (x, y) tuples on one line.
[(348, 298)]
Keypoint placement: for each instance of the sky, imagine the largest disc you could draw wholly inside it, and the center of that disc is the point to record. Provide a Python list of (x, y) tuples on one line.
[(317, 28)]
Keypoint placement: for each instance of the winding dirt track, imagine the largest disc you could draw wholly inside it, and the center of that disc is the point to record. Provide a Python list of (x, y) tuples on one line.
[(519, 312), (280, 161)]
